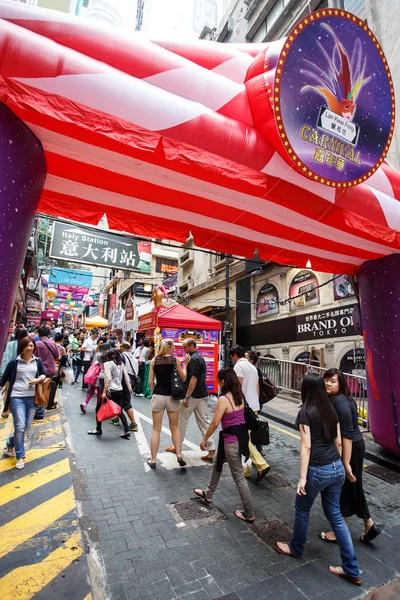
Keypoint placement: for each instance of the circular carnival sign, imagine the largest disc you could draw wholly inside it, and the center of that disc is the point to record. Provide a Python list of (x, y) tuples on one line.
[(334, 99)]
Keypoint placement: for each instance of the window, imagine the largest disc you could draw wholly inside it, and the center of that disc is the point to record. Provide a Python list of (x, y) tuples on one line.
[(166, 265), (357, 7)]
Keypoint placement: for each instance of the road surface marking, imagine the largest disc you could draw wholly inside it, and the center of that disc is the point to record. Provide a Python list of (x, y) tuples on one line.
[(24, 485), (24, 582), (9, 463), (284, 431), (21, 529), (49, 432), (49, 419), (165, 430)]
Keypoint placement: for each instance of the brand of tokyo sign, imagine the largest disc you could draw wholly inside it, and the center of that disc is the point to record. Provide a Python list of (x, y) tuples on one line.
[(97, 247), (329, 74), (325, 324)]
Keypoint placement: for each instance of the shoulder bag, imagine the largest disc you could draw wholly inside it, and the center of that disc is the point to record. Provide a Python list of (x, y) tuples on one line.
[(178, 387), (42, 392)]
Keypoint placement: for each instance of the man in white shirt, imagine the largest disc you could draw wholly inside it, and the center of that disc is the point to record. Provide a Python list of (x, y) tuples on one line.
[(248, 378), (88, 347)]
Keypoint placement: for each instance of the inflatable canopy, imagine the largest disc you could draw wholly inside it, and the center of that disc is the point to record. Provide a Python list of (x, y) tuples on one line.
[(168, 137)]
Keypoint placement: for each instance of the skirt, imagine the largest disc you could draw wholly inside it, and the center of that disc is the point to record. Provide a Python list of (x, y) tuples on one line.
[(352, 498)]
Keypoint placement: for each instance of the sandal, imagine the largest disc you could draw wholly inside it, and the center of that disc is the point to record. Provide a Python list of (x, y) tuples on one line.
[(152, 465), (280, 551), (322, 536), (355, 580), (371, 534), (181, 462), (240, 514), (201, 494), (95, 432)]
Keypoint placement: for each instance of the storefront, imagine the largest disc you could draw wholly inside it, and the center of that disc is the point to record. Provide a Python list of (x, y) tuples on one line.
[(179, 323)]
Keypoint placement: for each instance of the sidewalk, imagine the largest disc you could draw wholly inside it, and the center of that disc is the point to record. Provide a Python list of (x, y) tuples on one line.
[(41, 549), (284, 409)]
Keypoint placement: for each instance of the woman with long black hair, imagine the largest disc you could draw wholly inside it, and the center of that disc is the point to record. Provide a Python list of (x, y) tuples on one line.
[(114, 372), (352, 499), (321, 472), (233, 442)]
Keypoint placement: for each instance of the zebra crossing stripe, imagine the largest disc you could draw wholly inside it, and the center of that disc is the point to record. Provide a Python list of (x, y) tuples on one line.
[(24, 582), (29, 524), (24, 485)]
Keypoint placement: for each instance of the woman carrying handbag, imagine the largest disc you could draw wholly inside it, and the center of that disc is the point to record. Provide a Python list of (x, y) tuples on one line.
[(22, 374), (114, 372), (162, 369)]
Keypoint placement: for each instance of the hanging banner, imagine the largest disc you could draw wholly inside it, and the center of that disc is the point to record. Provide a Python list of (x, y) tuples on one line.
[(330, 72), (267, 301), (98, 247), (70, 279)]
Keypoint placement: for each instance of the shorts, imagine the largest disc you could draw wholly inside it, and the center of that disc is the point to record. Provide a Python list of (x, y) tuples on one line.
[(159, 402)]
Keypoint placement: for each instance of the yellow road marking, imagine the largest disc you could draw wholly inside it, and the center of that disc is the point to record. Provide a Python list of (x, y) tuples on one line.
[(6, 431), (9, 463), (24, 582), (88, 597), (46, 433), (284, 431), (24, 485), (34, 521), (49, 419)]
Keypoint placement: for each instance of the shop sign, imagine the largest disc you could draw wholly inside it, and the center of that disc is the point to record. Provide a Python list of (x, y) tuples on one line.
[(33, 319), (98, 247), (50, 314), (267, 301), (325, 324), (129, 310), (330, 71), (147, 321), (171, 282), (144, 290), (180, 335), (353, 362)]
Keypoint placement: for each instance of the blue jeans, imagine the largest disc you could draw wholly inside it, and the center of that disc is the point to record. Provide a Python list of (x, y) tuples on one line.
[(327, 480), (23, 410)]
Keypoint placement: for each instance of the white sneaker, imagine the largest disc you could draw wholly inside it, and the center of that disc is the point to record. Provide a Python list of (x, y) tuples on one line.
[(20, 463)]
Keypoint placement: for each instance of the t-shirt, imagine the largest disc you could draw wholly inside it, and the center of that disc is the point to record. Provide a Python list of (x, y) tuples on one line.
[(197, 368), (88, 344), (322, 452), (25, 372), (346, 411), (248, 372)]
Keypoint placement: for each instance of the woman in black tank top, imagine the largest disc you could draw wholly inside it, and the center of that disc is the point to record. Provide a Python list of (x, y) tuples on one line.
[(161, 370)]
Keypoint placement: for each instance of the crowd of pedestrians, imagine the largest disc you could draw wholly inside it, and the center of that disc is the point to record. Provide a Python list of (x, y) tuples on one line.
[(332, 447)]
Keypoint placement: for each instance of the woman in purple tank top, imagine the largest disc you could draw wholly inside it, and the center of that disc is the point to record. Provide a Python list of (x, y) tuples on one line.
[(233, 442)]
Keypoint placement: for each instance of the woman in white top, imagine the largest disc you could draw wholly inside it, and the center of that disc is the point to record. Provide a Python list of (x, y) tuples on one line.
[(114, 371)]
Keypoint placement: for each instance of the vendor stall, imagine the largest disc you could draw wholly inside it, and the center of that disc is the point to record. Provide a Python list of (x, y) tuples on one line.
[(179, 323), (99, 322)]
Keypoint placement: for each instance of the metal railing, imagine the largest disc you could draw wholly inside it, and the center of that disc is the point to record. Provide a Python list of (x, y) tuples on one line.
[(287, 375)]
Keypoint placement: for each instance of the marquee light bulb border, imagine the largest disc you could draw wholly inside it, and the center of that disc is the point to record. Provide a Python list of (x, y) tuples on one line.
[(274, 94)]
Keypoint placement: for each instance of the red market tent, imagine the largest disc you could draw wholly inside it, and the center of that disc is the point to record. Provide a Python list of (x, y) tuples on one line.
[(181, 316)]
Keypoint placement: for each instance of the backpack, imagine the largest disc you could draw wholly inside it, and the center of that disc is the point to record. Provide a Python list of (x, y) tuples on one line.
[(93, 373)]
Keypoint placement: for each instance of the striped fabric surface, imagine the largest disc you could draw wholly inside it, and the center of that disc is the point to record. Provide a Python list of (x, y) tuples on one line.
[(168, 138)]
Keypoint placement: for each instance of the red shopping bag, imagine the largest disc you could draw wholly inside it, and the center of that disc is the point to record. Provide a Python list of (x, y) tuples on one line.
[(108, 410)]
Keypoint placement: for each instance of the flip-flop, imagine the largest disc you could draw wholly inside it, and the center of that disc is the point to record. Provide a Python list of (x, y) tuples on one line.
[(277, 549), (208, 459), (203, 496), (95, 432), (241, 515), (170, 449), (151, 464), (371, 534), (322, 536), (355, 580)]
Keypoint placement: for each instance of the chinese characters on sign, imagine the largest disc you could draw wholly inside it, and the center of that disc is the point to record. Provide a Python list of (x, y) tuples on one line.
[(79, 244), (325, 324)]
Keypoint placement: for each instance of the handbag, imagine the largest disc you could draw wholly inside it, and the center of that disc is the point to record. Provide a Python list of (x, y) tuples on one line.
[(178, 387), (108, 410), (42, 392), (268, 389), (260, 437), (92, 374)]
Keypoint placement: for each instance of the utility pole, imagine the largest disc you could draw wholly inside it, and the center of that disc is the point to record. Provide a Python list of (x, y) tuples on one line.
[(227, 324)]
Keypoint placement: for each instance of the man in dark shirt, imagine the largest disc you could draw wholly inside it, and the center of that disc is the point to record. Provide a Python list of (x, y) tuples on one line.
[(196, 398)]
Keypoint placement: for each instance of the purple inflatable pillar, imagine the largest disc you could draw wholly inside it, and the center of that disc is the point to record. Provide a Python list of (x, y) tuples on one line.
[(22, 176), (380, 310)]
